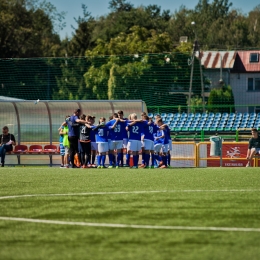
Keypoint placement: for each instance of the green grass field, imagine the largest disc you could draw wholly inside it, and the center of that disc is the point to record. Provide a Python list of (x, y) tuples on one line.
[(165, 213)]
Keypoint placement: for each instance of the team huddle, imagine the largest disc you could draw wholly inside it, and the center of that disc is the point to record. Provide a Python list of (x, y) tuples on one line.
[(80, 136)]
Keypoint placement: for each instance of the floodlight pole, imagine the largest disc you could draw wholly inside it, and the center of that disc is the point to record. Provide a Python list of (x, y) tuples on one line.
[(196, 48)]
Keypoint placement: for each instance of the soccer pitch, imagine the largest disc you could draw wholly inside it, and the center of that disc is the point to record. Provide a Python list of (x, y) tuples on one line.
[(192, 213)]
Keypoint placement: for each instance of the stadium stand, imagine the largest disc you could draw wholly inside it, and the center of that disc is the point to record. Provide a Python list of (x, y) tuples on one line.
[(189, 126)]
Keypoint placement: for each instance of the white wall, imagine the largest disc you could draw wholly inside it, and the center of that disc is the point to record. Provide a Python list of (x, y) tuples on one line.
[(238, 83)]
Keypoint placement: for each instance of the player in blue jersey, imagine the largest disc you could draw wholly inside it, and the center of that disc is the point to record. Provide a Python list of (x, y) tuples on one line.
[(149, 129), (168, 131), (102, 142), (116, 128), (142, 139), (125, 139), (158, 140), (134, 144), (167, 148)]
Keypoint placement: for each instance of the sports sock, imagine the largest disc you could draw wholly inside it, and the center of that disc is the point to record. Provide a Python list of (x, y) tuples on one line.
[(119, 156), (169, 159), (99, 160), (153, 158), (164, 159), (93, 159), (110, 156), (122, 158), (127, 158), (143, 158), (135, 159), (103, 159), (147, 159)]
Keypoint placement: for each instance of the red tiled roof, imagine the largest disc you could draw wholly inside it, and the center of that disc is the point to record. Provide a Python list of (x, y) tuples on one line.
[(245, 60)]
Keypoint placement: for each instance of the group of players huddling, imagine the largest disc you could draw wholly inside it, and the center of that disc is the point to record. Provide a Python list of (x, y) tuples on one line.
[(116, 136)]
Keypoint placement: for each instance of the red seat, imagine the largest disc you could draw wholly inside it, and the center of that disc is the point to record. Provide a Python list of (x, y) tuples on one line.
[(50, 148), (35, 148), (20, 149)]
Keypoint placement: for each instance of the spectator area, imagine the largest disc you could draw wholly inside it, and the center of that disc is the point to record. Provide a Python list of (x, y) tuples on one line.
[(212, 122)]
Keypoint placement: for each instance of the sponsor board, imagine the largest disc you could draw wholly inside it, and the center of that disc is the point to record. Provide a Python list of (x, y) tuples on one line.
[(233, 155)]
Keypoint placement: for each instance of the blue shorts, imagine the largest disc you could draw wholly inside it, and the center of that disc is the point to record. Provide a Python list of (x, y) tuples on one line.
[(62, 149)]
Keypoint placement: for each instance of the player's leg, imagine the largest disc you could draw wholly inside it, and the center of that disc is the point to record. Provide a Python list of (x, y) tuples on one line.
[(124, 150), (252, 153), (93, 154), (143, 154), (66, 157), (111, 153), (136, 147), (62, 154), (169, 154), (103, 150), (118, 148)]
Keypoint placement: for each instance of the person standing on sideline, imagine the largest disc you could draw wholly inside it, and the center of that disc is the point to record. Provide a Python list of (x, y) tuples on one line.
[(253, 146), (7, 141), (73, 123), (64, 144)]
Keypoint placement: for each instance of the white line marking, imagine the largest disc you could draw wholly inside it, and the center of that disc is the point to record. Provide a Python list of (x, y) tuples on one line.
[(108, 225), (118, 192)]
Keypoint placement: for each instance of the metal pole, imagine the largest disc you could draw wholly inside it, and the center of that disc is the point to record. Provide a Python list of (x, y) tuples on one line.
[(191, 79), (202, 84), (48, 84), (221, 161)]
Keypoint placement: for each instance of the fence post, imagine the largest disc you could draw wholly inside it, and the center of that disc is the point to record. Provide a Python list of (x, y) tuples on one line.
[(202, 137), (237, 136)]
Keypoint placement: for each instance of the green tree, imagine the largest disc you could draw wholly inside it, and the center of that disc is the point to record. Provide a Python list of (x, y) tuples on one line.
[(254, 27), (221, 100), (27, 31), (124, 16), (121, 70)]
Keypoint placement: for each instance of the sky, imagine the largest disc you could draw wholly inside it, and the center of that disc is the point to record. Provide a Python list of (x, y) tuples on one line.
[(100, 7)]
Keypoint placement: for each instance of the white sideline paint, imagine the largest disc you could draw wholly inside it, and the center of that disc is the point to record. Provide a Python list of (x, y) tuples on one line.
[(108, 225), (118, 192)]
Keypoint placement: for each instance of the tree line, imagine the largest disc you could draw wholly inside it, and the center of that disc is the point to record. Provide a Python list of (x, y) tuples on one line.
[(29, 28), (123, 54)]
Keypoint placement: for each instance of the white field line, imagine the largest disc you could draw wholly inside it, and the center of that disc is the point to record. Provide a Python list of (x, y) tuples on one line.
[(119, 192), (108, 225)]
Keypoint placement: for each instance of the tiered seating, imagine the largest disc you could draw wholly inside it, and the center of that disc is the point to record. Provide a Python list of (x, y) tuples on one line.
[(196, 122)]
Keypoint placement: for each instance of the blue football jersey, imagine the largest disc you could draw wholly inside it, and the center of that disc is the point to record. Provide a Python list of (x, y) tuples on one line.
[(167, 134), (102, 134), (135, 131), (159, 133), (117, 132), (149, 131)]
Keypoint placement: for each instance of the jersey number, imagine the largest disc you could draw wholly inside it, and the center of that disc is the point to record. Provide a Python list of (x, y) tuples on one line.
[(83, 130), (135, 129), (101, 132), (117, 129)]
